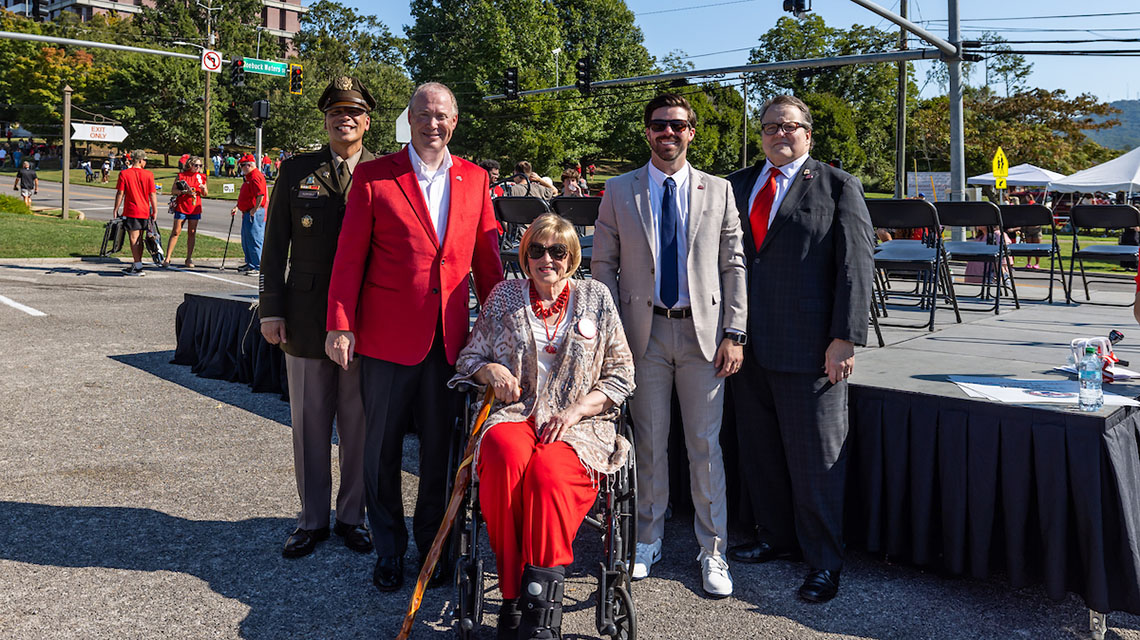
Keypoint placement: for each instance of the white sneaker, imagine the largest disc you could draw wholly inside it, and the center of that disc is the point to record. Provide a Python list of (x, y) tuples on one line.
[(714, 573), (645, 557)]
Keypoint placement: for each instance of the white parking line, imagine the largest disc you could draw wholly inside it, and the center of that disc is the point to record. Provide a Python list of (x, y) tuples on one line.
[(22, 307), (206, 275)]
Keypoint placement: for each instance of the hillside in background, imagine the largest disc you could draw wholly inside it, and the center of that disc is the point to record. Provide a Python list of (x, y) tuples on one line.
[(1127, 134)]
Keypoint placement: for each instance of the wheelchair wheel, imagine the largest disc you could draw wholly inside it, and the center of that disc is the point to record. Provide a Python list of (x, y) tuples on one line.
[(625, 616)]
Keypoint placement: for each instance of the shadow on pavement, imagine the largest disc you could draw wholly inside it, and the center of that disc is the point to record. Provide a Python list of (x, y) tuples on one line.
[(309, 597), (157, 363)]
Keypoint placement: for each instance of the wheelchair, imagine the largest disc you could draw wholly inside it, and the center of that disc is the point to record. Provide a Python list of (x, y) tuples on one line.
[(613, 517)]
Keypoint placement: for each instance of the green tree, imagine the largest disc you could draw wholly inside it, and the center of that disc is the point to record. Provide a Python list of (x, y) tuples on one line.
[(833, 131)]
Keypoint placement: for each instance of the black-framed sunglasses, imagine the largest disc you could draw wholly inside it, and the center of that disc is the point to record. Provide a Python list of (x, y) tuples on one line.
[(535, 251), (770, 128), (678, 126)]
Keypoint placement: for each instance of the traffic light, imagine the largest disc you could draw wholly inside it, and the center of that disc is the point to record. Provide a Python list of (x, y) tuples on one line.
[(585, 71), (511, 82), (797, 7), (261, 110), (237, 72), (296, 79)]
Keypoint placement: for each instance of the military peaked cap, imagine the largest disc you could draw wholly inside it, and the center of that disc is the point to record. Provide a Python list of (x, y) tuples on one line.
[(346, 91)]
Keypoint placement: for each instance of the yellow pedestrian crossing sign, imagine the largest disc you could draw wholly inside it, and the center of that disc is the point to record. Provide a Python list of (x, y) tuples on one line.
[(999, 183), (1001, 165)]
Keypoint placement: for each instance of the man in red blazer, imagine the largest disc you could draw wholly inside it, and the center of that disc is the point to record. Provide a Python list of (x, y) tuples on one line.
[(416, 223)]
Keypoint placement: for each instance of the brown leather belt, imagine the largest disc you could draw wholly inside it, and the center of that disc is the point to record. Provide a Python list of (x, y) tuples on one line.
[(678, 314)]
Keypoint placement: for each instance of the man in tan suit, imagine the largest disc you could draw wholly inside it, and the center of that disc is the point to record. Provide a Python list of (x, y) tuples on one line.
[(668, 245)]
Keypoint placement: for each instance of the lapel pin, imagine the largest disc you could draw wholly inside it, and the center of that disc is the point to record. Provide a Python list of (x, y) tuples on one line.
[(325, 174), (700, 186), (808, 175), (459, 178)]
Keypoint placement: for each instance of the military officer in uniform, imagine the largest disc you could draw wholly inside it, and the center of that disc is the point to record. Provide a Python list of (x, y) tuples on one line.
[(305, 214)]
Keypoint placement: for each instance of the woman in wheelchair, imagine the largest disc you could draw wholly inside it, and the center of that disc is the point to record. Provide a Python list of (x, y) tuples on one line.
[(555, 353)]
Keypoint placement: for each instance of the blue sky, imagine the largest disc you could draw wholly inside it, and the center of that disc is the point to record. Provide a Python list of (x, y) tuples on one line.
[(700, 27)]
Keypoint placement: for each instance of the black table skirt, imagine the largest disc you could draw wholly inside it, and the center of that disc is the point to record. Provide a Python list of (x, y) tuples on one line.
[(219, 337), (968, 487)]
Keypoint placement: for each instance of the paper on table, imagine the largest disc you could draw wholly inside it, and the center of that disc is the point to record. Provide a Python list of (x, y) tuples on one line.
[(1014, 391), (1119, 373)]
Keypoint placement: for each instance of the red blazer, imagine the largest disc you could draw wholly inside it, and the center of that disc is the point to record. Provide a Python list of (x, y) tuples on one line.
[(391, 279)]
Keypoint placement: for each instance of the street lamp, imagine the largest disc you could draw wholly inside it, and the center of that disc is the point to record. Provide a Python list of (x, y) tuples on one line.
[(556, 52)]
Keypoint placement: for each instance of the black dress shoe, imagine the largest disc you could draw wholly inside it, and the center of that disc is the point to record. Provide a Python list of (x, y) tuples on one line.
[(389, 573), (820, 585), (356, 537), (761, 551), (302, 542), (510, 616), (441, 575)]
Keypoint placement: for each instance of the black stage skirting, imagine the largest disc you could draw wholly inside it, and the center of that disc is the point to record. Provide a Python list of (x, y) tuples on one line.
[(219, 337), (967, 487)]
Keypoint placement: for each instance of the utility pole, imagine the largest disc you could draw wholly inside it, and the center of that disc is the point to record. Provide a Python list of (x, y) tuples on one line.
[(900, 115), (744, 129), (66, 150), (210, 39), (957, 124)]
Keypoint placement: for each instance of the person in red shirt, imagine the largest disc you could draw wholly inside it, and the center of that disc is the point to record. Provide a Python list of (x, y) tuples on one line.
[(252, 201), (136, 201), (187, 207)]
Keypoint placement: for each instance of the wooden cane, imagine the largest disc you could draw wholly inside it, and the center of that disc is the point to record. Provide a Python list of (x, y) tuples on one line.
[(462, 479)]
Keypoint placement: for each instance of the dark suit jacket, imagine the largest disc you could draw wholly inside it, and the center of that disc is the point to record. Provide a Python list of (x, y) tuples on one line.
[(305, 212), (811, 281)]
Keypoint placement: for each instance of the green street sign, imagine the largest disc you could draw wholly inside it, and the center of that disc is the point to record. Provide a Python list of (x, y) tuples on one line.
[(265, 67)]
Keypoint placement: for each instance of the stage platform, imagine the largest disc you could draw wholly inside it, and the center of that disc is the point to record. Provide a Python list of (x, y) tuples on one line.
[(1036, 493)]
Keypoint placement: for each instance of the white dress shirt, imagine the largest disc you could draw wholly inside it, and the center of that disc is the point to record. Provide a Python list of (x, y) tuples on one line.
[(436, 189), (783, 181), (656, 193)]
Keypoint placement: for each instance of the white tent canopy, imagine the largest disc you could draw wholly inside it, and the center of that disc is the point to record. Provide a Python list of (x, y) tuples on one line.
[(1023, 175), (1121, 174)]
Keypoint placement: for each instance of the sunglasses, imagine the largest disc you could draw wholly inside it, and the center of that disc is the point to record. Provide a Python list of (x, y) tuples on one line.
[(789, 128), (535, 251), (678, 126)]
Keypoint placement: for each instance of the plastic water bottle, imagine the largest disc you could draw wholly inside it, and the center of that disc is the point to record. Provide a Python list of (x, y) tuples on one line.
[(1091, 397)]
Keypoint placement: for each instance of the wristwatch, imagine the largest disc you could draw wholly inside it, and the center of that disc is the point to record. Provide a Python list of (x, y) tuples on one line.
[(737, 337)]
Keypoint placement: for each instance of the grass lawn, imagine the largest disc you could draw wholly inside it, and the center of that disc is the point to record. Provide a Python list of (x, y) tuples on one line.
[(38, 236), (162, 175)]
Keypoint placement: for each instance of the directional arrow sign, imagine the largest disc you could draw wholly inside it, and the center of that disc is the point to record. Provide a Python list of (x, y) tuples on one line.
[(999, 183), (98, 132), (1001, 165), (266, 67)]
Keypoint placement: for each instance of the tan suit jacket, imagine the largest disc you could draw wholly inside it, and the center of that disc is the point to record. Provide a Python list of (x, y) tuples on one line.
[(624, 257)]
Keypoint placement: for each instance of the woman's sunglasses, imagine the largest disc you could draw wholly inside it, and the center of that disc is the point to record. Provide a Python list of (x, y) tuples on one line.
[(535, 251)]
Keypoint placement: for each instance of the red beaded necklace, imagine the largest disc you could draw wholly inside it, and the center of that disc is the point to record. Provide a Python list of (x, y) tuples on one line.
[(559, 307)]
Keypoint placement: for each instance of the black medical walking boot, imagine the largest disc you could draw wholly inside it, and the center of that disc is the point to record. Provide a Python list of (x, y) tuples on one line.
[(541, 603)]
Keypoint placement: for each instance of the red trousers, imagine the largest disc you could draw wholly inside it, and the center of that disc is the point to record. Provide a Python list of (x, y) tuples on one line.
[(534, 497)]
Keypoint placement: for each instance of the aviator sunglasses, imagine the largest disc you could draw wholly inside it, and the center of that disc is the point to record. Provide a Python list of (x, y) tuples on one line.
[(535, 251), (678, 126)]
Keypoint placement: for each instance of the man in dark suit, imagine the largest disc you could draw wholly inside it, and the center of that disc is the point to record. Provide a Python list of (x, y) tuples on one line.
[(807, 243), (419, 222), (305, 214)]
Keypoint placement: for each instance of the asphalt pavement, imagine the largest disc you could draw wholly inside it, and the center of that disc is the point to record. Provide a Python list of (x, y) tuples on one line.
[(141, 501)]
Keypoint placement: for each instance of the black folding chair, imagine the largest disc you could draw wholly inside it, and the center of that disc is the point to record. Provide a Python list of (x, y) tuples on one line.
[(514, 213), (1020, 216), (926, 259), (991, 253), (581, 212), (1107, 216)]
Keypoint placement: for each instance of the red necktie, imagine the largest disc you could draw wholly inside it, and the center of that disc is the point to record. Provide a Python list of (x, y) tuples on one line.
[(762, 208)]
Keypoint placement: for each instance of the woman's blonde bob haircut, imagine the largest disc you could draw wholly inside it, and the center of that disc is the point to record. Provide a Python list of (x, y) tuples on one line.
[(551, 228)]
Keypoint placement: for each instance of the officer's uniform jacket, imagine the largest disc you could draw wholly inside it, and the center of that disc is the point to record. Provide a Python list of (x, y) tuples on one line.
[(306, 209)]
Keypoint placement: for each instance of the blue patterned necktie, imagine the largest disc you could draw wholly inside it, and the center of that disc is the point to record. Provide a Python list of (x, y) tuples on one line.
[(669, 244)]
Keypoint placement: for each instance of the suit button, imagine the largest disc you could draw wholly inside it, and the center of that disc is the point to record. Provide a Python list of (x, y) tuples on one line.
[(652, 271), (649, 303), (756, 261), (435, 290), (443, 261)]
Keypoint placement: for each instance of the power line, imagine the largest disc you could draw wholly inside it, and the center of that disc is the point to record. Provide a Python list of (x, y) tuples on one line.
[(1076, 15), (700, 6)]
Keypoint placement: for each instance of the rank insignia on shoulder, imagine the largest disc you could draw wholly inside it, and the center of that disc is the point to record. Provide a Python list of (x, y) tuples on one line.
[(306, 221)]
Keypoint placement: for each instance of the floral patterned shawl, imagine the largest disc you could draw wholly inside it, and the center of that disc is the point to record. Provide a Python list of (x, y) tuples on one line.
[(603, 361)]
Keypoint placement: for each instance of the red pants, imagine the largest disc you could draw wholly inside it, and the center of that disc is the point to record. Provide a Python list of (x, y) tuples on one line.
[(534, 497)]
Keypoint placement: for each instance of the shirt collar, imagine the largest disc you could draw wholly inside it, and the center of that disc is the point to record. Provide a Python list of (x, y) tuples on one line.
[(352, 160), (681, 177), (421, 169), (789, 170)]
